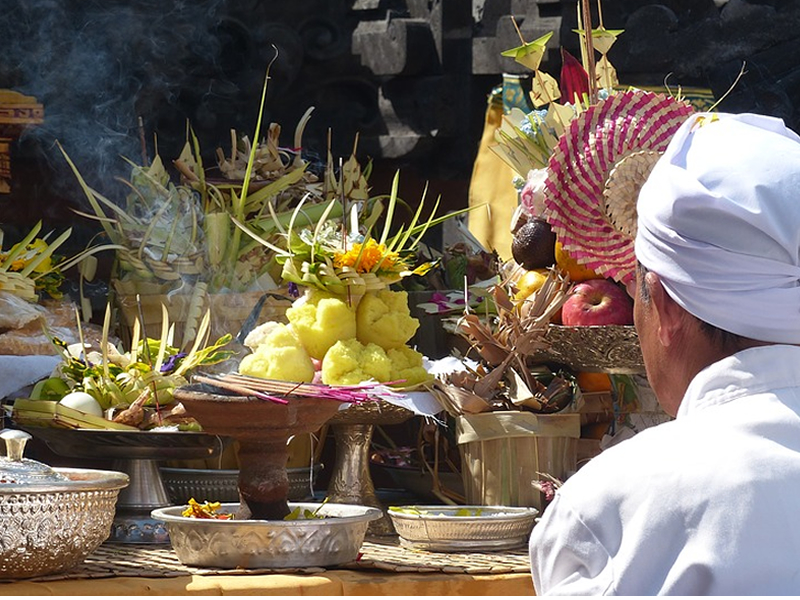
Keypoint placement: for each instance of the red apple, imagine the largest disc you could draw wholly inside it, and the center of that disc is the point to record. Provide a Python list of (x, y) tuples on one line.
[(597, 302)]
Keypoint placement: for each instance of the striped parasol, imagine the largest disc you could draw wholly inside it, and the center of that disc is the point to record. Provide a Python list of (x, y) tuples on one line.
[(596, 171)]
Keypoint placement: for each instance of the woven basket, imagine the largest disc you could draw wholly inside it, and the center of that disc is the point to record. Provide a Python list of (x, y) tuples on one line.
[(175, 270), (228, 312), (622, 189), (504, 452)]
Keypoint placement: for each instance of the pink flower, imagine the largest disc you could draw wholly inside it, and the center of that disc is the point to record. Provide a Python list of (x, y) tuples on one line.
[(443, 304), (531, 198)]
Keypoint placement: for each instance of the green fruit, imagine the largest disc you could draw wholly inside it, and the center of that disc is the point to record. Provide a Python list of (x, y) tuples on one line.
[(534, 245), (51, 388), (191, 426)]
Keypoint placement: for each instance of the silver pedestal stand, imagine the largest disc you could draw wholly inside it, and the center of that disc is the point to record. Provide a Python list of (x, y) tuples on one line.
[(351, 480)]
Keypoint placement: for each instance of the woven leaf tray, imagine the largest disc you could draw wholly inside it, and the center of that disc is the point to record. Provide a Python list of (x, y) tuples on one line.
[(131, 560)]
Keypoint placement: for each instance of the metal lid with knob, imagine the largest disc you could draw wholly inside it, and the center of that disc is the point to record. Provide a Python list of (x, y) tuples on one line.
[(14, 468)]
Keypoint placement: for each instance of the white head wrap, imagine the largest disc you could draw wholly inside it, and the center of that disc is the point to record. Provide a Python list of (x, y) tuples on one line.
[(719, 221)]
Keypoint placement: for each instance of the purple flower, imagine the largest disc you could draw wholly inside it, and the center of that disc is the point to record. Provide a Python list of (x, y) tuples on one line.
[(172, 362)]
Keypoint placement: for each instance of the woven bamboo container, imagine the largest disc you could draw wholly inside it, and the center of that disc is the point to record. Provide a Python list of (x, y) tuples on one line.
[(504, 452)]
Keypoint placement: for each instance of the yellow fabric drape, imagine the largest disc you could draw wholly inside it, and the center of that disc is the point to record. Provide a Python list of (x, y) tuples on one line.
[(491, 184)]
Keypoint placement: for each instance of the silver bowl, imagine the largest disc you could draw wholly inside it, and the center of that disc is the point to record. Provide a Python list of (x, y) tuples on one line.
[(442, 529), (252, 544), (50, 528), (222, 485), (135, 453)]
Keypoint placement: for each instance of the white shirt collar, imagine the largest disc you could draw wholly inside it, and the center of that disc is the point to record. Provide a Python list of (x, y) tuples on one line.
[(745, 373)]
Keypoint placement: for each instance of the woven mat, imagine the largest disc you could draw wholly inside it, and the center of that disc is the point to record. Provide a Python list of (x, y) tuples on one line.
[(132, 560)]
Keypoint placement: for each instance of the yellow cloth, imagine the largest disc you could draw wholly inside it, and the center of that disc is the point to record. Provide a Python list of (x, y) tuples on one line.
[(328, 583), (491, 184)]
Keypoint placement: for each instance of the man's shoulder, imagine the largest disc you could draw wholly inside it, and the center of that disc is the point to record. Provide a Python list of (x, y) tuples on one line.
[(640, 447), (632, 464)]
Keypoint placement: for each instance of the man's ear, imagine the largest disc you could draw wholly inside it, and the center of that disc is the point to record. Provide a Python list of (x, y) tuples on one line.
[(668, 312)]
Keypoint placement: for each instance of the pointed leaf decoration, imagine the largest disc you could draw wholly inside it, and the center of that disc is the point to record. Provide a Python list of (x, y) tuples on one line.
[(558, 118), (603, 38), (606, 74), (521, 151), (544, 89), (574, 79), (355, 184), (530, 54), (352, 181)]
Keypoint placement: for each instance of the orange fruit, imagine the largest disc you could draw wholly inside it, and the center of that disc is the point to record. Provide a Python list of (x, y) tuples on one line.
[(575, 270), (593, 382)]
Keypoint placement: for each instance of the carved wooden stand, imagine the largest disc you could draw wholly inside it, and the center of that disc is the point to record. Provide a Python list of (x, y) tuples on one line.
[(263, 429), (16, 113)]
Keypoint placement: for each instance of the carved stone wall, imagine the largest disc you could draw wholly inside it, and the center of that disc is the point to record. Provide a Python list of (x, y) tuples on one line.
[(411, 77)]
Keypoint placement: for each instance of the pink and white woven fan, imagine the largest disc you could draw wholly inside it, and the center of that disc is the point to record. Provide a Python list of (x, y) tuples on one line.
[(596, 171)]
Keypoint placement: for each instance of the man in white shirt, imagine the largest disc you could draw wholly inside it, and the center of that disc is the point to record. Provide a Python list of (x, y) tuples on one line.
[(708, 503)]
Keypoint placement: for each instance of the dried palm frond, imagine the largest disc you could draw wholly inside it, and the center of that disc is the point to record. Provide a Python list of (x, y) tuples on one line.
[(506, 341), (517, 327)]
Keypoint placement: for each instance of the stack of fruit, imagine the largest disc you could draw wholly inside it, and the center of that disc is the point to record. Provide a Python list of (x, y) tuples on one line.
[(595, 300), (528, 144)]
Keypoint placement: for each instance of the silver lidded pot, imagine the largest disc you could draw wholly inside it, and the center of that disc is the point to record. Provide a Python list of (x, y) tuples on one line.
[(52, 518)]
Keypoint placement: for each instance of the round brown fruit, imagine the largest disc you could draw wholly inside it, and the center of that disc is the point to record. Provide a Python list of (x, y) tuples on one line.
[(534, 245)]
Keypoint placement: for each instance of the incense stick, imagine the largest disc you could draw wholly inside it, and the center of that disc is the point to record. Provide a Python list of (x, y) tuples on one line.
[(239, 389)]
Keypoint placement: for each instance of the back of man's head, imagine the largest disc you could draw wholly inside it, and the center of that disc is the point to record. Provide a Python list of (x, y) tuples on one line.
[(719, 221)]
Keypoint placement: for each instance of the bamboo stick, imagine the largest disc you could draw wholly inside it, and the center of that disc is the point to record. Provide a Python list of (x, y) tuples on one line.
[(588, 42)]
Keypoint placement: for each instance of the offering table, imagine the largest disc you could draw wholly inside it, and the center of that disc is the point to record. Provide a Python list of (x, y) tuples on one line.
[(383, 569)]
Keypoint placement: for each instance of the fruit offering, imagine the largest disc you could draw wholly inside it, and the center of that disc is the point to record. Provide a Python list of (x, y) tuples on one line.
[(597, 302), (104, 388), (347, 327), (206, 510), (533, 245)]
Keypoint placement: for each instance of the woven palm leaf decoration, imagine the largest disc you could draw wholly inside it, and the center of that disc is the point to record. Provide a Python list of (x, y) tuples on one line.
[(596, 171)]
